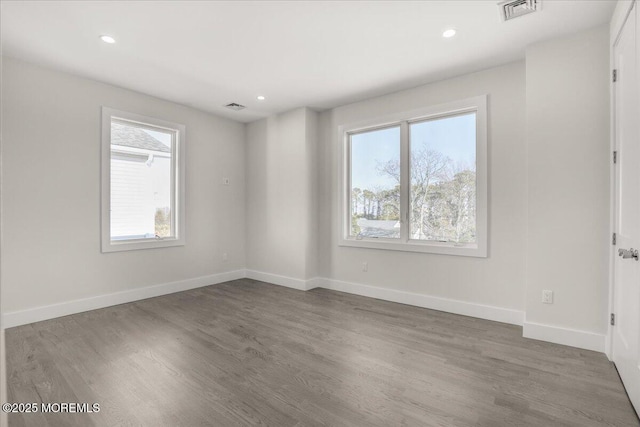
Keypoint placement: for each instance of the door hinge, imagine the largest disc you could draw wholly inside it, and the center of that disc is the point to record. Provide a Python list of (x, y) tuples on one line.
[(613, 319), (613, 239), (615, 76), (615, 157)]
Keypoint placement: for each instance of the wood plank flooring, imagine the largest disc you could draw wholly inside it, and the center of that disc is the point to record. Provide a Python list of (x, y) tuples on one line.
[(249, 353)]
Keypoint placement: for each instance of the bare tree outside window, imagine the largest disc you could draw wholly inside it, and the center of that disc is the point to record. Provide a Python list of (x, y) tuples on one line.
[(375, 194), (442, 177)]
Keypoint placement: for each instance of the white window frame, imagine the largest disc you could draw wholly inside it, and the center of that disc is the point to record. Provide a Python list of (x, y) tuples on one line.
[(476, 104), (177, 182)]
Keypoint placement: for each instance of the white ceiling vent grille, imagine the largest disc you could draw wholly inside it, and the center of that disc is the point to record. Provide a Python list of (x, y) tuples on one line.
[(511, 9), (235, 107)]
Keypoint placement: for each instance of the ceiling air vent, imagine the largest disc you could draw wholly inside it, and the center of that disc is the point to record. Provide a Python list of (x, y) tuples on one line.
[(514, 8), (236, 107)]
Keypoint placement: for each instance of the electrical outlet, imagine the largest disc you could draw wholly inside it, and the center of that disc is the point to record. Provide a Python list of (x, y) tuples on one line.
[(547, 297), (365, 266), (225, 181), (225, 257)]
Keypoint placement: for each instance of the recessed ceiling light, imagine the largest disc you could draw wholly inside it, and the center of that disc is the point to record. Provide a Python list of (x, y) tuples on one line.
[(449, 33), (261, 98), (108, 39)]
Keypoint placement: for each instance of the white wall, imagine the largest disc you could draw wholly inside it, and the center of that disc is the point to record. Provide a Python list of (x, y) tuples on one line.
[(548, 192), (497, 280), (51, 192), (3, 358), (568, 163), (281, 195), (311, 124), (619, 15)]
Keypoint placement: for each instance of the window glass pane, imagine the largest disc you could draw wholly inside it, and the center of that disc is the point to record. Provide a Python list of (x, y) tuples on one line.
[(141, 177), (375, 184), (443, 179)]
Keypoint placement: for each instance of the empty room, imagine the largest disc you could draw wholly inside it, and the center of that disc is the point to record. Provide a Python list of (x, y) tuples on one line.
[(320, 213)]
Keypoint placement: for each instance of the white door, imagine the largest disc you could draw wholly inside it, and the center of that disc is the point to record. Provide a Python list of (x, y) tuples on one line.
[(626, 294)]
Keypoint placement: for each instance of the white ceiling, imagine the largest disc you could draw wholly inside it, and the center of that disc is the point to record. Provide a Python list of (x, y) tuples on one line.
[(316, 54)]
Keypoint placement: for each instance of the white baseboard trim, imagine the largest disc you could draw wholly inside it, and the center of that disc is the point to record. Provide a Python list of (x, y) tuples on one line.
[(37, 314), (565, 336), (276, 279), (608, 350), (316, 282), (554, 334), (488, 312)]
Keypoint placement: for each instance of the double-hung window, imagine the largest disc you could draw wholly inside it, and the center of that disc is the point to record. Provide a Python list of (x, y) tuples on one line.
[(142, 182), (417, 181)]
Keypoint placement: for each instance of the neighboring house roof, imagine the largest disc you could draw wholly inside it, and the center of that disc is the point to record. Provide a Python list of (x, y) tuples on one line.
[(379, 223), (378, 228), (131, 136)]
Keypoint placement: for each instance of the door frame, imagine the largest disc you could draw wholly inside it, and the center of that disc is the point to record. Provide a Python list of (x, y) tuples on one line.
[(620, 15)]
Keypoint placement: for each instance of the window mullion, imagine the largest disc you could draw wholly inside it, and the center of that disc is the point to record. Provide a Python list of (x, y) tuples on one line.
[(175, 162), (404, 181)]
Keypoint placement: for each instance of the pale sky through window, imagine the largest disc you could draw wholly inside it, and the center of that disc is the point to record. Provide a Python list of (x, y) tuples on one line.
[(455, 137), (368, 151)]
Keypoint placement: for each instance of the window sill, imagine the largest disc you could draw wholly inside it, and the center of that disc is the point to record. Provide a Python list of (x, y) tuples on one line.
[(133, 245), (442, 248)]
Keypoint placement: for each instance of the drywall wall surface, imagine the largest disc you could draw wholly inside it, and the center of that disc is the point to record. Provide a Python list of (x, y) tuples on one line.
[(618, 18), (311, 157), (51, 192), (497, 280), (281, 218), (326, 187), (568, 180)]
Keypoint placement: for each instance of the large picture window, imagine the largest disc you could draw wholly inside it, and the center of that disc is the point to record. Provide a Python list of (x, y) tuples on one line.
[(375, 186), (417, 181), (142, 182)]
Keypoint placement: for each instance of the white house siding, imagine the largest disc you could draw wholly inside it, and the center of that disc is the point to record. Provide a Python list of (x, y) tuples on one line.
[(161, 181), (132, 204)]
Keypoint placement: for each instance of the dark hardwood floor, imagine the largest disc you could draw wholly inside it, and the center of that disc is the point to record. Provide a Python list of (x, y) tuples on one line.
[(249, 353)]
